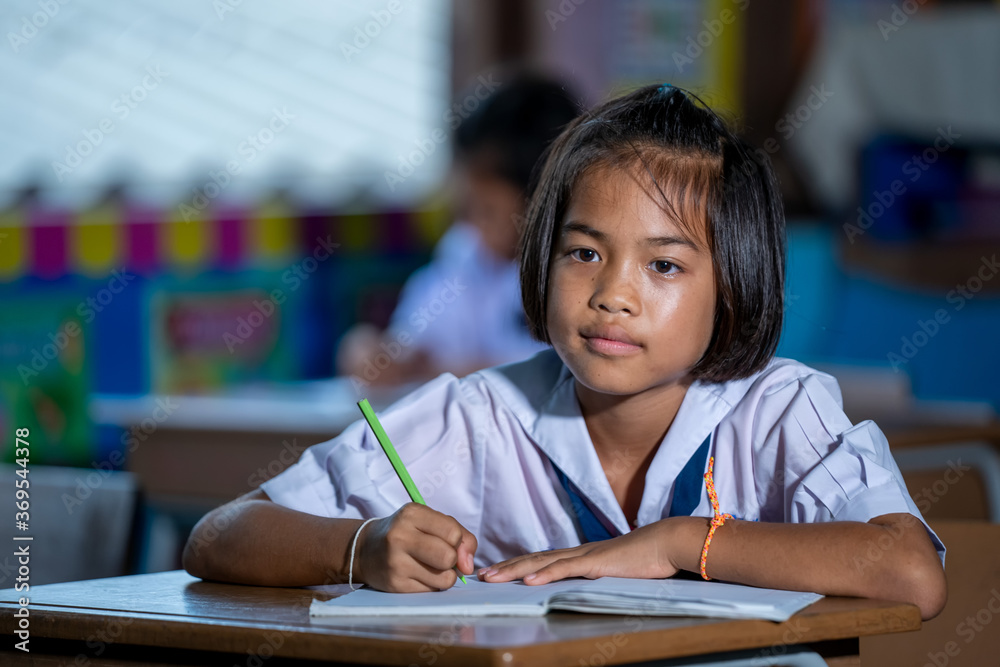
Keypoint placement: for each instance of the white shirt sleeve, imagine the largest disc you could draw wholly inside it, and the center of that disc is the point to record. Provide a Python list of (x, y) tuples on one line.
[(812, 464), (438, 431), (417, 293)]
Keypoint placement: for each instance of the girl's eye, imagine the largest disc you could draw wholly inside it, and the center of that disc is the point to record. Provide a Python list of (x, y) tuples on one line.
[(665, 267), (584, 254)]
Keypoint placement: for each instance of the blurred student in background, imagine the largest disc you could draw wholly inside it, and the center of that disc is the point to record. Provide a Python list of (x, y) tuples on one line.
[(462, 311)]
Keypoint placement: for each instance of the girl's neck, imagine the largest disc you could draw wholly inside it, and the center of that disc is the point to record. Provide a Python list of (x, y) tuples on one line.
[(626, 432), (631, 425)]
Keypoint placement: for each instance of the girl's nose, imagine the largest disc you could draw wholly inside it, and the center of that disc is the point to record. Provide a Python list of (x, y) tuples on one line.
[(614, 292)]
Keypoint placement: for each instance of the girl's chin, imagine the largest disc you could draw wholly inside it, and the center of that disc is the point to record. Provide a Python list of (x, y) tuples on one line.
[(618, 383), (618, 379)]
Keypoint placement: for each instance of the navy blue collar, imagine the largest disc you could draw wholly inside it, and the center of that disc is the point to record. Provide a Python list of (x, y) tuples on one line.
[(686, 497)]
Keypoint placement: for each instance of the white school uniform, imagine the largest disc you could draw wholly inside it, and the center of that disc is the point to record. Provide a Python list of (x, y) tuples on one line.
[(485, 450), (465, 306)]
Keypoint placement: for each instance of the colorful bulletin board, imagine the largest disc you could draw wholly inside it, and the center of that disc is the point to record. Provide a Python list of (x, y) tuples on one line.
[(163, 304), (694, 45), (45, 375)]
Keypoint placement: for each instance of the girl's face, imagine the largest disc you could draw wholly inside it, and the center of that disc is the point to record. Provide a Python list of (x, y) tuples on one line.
[(631, 298), (493, 205)]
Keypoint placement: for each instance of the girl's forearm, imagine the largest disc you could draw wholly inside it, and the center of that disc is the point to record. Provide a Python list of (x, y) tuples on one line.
[(255, 541), (889, 558)]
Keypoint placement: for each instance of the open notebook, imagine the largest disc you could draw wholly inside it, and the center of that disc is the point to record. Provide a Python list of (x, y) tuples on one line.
[(608, 595)]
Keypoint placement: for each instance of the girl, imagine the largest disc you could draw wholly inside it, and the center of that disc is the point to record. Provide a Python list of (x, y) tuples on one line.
[(653, 263)]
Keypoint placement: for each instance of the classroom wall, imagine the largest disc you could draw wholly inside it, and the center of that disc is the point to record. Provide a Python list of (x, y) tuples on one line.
[(836, 314)]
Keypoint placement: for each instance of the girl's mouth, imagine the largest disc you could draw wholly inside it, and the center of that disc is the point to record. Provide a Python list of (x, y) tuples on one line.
[(612, 347)]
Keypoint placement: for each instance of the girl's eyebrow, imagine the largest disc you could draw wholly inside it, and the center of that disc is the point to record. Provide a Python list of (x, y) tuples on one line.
[(652, 242)]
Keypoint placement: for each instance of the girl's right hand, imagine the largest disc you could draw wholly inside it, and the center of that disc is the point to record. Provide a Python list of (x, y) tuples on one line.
[(414, 550)]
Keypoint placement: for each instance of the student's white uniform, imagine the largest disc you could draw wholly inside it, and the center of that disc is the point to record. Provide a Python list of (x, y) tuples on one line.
[(482, 449), (465, 306)]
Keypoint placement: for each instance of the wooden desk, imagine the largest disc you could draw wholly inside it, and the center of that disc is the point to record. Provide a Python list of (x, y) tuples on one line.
[(239, 438), (172, 618)]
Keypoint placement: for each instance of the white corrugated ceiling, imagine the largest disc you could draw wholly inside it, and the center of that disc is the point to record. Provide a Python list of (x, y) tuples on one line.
[(165, 94)]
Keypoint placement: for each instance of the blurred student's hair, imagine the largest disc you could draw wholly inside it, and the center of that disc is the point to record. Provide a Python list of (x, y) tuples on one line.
[(712, 183), (508, 132)]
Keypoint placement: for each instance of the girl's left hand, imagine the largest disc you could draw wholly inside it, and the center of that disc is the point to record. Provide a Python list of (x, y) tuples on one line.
[(641, 554)]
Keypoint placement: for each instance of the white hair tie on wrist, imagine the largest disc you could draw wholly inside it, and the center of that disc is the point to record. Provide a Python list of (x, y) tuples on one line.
[(350, 567)]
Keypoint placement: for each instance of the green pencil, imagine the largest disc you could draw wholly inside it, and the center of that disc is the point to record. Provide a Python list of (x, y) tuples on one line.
[(397, 463)]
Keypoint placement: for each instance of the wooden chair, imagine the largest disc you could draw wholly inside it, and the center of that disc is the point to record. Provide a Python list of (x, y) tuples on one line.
[(959, 480)]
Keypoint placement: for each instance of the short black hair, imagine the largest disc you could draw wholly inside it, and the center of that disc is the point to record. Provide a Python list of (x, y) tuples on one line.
[(509, 131), (711, 175)]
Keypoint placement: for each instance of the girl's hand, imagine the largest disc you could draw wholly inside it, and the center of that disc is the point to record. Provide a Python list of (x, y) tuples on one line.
[(414, 550), (644, 553)]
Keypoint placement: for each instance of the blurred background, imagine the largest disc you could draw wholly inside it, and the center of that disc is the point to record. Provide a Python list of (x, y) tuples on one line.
[(222, 224)]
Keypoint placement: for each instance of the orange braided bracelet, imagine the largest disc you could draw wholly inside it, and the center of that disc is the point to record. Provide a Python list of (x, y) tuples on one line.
[(717, 520)]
